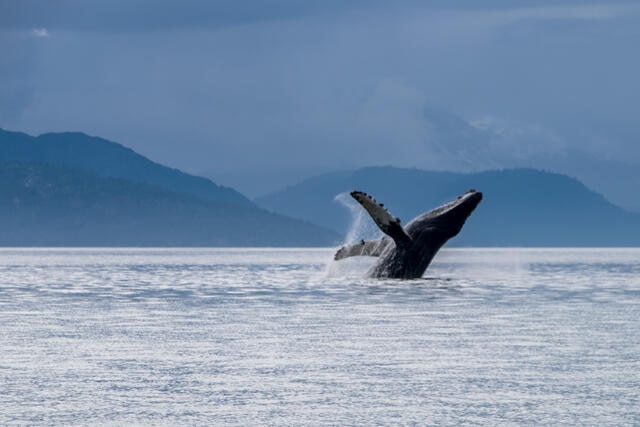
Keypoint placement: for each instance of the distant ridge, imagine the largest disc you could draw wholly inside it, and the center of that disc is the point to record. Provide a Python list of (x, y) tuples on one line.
[(109, 159), (521, 207), (72, 190)]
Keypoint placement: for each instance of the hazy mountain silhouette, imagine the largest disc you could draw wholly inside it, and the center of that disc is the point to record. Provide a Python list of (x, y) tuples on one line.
[(51, 205), (108, 159), (457, 145), (449, 142), (73, 190), (616, 180), (521, 207)]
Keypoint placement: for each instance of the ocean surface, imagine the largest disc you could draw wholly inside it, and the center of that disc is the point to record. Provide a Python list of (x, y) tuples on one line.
[(290, 337)]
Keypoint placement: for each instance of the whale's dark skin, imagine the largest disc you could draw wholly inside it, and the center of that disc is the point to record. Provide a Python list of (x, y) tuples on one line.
[(407, 252)]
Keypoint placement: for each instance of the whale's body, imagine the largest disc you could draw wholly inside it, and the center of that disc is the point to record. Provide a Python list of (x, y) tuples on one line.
[(407, 252)]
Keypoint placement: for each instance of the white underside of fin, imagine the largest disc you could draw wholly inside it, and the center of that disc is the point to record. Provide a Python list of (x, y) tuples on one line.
[(379, 213)]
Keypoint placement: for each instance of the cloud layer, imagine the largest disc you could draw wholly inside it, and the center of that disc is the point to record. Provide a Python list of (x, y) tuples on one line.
[(288, 85)]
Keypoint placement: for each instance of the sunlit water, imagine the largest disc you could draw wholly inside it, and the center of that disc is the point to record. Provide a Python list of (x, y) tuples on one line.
[(288, 337)]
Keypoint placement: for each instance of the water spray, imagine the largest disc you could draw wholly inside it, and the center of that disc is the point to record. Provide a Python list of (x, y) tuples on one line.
[(361, 227)]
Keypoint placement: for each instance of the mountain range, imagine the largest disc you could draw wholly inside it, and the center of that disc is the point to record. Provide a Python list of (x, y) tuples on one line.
[(70, 189), (109, 159), (521, 207)]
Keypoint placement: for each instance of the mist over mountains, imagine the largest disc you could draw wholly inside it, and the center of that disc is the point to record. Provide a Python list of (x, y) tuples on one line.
[(438, 140)]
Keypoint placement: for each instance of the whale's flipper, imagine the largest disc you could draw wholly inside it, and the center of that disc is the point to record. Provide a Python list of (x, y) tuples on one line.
[(363, 248), (389, 224)]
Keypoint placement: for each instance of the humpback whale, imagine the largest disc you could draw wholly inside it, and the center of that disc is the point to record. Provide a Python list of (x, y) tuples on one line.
[(406, 252)]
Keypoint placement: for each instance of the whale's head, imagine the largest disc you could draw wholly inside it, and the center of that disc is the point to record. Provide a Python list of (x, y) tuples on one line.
[(446, 220), (463, 206)]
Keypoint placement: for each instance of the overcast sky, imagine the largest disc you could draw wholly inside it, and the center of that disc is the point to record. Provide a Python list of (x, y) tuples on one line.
[(320, 85)]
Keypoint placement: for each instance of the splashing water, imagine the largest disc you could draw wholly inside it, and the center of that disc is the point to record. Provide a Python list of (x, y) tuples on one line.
[(362, 227)]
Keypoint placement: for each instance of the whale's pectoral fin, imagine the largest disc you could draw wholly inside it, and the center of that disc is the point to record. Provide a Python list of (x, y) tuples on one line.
[(362, 248), (389, 224)]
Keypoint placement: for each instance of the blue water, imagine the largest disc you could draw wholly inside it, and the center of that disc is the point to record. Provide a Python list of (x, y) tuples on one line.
[(288, 337)]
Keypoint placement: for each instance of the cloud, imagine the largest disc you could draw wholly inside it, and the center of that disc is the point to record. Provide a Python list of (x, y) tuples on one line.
[(519, 140), (581, 12), (40, 32), (159, 15), (228, 85), (17, 75), (392, 128)]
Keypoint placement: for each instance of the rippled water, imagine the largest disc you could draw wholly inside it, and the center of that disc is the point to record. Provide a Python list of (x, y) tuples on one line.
[(288, 337)]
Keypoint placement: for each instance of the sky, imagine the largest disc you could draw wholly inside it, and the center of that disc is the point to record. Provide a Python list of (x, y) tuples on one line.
[(250, 90)]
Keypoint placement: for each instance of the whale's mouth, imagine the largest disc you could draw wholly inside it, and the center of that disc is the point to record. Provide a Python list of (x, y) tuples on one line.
[(471, 194), (462, 205), (467, 203), (473, 197)]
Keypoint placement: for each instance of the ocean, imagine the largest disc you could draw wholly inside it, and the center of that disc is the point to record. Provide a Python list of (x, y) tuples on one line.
[(504, 336)]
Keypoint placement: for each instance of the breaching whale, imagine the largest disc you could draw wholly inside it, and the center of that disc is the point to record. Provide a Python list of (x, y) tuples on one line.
[(405, 253)]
